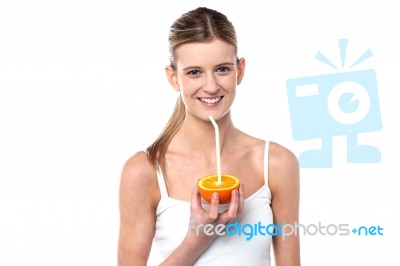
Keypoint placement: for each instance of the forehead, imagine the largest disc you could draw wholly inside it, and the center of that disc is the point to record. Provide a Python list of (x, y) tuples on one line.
[(205, 53)]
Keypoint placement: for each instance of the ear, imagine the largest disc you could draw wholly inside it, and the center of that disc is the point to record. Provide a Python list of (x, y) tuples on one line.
[(240, 70), (172, 77)]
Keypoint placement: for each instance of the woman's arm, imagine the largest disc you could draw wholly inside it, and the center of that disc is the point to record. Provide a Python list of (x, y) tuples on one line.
[(137, 200), (285, 188)]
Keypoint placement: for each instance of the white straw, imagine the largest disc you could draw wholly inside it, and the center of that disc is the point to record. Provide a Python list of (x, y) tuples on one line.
[(217, 149)]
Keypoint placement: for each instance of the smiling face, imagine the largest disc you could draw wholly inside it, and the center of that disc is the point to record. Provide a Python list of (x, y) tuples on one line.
[(206, 75)]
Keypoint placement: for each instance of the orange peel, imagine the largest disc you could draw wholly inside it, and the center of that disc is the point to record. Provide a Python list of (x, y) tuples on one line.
[(209, 184)]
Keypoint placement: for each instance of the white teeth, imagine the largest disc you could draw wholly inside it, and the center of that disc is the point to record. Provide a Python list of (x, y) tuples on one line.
[(211, 100)]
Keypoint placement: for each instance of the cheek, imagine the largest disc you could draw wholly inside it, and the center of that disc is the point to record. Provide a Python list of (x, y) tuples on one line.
[(189, 85), (229, 83)]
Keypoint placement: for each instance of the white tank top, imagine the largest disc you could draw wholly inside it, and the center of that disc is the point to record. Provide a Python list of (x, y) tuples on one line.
[(173, 224)]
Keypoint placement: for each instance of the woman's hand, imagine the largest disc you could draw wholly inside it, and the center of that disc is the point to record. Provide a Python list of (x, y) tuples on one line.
[(196, 242), (200, 217)]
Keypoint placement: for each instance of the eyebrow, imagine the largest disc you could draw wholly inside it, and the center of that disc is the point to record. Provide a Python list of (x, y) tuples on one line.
[(219, 65)]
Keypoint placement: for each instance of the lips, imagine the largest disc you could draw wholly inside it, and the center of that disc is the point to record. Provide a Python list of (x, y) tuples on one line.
[(210, 100)]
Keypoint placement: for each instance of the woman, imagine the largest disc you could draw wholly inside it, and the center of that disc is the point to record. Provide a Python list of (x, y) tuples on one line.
[(158, 193)]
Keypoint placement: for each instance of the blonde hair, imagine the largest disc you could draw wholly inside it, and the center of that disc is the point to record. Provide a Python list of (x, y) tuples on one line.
[(199, 25)]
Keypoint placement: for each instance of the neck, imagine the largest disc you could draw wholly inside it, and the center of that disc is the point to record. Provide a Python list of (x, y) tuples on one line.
[(201, 141)]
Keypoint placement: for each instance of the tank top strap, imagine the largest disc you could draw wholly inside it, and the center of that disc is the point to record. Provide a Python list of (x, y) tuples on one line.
[(266, 155), (161, 183)]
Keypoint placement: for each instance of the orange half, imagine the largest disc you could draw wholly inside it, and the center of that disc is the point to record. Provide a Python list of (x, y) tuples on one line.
[(209, 184)]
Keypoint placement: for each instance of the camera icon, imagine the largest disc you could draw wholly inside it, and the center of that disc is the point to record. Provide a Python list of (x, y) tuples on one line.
[(325, 106)]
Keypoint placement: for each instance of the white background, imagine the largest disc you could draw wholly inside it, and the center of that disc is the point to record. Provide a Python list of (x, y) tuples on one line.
[(82, 88)]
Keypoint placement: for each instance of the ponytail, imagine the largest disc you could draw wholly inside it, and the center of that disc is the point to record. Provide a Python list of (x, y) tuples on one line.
[(156, 151)]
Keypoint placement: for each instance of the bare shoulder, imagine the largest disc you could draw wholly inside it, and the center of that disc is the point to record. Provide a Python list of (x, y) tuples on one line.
[(138, 163), (283, 166), (139, 176)]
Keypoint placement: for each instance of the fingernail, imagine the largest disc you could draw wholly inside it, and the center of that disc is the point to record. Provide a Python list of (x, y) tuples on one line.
[(215, 195), (235, 193)]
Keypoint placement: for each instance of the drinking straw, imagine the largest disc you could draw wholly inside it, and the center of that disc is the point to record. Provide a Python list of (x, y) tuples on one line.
[(217, 149)]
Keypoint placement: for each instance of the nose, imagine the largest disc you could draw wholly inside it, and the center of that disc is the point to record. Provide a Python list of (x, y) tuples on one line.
[(211, 85)]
